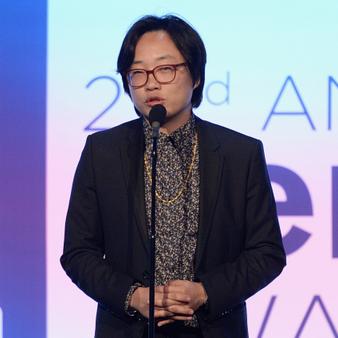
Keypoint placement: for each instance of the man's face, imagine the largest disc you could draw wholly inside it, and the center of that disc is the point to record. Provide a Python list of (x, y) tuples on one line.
[(154, 49)]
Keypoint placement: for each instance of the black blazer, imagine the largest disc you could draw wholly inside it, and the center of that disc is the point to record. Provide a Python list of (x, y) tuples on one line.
[(239, 247)]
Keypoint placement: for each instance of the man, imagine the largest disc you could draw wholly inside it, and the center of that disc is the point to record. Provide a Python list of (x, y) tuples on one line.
[(218, 239)]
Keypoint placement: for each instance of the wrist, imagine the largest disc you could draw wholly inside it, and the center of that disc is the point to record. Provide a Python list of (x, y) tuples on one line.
[(129, 308), (132, 299), (203, 294)]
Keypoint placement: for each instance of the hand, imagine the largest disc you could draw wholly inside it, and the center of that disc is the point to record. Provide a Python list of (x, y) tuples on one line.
[(140, 302), (181, 298)]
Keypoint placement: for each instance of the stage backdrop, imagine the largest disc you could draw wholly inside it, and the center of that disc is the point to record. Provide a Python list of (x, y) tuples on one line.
[(272, 73)]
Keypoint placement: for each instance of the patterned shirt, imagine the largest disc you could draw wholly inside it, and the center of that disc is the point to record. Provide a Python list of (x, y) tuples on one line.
[(177, 202)]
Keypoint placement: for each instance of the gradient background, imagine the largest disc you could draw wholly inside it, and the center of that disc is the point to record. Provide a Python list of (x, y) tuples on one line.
[(23, 265), (271, 64)]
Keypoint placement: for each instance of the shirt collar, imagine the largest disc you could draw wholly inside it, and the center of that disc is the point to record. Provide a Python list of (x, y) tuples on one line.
[(178, 136)]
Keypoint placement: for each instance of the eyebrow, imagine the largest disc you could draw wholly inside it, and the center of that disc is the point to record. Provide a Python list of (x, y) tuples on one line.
[(163, 57)]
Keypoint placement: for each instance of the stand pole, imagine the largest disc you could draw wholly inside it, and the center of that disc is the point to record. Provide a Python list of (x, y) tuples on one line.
[(151, 322)]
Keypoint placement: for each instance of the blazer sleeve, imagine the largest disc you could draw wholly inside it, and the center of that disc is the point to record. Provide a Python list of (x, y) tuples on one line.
[(83, 256), (262, 257)]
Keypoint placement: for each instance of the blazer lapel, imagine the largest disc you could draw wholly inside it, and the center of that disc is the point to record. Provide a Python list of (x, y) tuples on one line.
[(210, 164), (132, 161)]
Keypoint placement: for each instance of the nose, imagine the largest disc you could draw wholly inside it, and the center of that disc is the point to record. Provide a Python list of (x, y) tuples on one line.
[(152, 82)]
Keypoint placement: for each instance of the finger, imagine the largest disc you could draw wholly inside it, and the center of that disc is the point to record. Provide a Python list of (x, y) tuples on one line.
[(164, 322), (159, 313), (182, 318), (159, 288), (159, 295), (168, 302), (172, 319), (178, 296), (180, 309), (165, 301)]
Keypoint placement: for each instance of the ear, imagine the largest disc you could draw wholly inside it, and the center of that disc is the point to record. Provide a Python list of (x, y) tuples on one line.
[(197, 83)]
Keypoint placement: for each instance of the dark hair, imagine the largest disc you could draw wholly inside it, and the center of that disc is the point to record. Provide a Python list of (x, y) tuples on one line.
[(186, 39)]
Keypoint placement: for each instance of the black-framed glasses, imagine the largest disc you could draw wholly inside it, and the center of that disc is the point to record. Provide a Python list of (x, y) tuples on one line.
[(163, 74)]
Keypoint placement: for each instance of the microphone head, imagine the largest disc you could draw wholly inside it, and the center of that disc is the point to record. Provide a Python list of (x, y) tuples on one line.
[(157, 114)]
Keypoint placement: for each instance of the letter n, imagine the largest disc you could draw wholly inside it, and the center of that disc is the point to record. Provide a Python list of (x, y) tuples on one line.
[(330, 83)]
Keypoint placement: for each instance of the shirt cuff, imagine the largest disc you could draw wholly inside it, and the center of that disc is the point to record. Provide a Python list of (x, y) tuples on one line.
[(130, 311)]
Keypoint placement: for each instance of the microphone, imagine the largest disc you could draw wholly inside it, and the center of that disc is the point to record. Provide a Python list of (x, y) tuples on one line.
[(157, 116)]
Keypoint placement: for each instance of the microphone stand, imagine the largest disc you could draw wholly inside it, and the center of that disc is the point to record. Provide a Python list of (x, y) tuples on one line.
[(151, 322)]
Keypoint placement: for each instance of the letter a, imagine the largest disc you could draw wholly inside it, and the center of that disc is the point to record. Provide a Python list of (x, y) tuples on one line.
[(307, 316), (303, 112)]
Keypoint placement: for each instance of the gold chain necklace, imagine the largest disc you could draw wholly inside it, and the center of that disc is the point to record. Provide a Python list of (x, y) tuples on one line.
[(185, 183)]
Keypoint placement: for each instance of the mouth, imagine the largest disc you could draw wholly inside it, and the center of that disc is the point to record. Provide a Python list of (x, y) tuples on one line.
[(152, 101)]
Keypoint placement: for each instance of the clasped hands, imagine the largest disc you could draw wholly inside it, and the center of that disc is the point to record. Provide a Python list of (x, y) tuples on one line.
[(177, 300)]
